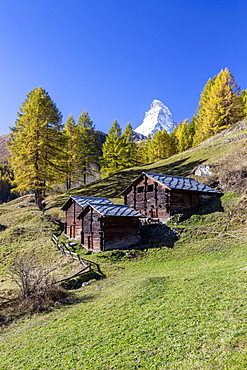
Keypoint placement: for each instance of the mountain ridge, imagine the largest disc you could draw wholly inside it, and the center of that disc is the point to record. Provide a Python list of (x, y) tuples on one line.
[(4, 153)]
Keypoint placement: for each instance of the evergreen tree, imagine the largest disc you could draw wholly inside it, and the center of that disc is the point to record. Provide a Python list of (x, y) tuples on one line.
[(71, 151), (160, 146), (130, 152), (156, 147), (142, 156), (174, 142), (201, 116), (114, 151), (143, 151), (244, 100), (35, 145), (193, 127), (6, 182), (220, 106), (147, 150), (88, 146), (184, 136)]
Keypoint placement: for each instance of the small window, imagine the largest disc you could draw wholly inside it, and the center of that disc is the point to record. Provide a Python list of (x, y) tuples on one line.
[(150, 188), (140, 189)]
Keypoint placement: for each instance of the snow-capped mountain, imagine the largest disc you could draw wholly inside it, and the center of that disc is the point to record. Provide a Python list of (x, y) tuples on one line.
[(157, 118)]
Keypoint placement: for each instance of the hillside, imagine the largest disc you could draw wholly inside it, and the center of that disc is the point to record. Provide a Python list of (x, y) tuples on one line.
[(3, 147), (180, 306), (225, 153)]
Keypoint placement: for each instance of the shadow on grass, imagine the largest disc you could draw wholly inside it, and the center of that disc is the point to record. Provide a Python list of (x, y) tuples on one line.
[(82, 280), (212, 206), (181, 167), (155, 236)]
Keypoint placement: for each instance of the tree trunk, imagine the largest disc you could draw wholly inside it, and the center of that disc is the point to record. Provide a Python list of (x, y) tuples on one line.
[(38, 199)]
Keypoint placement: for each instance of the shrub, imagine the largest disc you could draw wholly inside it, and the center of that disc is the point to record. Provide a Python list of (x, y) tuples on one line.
[(37, 288)]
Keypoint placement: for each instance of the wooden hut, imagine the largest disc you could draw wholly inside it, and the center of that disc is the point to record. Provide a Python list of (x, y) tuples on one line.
[(161, 196), (109, 226), (73, 207)]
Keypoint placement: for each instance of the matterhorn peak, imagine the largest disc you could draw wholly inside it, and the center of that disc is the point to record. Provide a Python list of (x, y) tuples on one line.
[(157, 118), (156, 103)]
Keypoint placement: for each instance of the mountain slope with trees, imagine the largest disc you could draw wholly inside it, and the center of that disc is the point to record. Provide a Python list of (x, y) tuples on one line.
[(46, 154)]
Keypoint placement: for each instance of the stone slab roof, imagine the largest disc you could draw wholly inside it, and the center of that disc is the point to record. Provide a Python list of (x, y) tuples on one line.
[(178, 182), (175, 182), (111, 210), (84, 201)]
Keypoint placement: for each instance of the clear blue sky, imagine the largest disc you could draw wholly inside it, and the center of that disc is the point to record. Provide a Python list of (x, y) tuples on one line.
[(113, 57)]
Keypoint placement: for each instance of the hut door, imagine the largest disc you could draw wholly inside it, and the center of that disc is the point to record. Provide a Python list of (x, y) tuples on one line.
[(90, 242), (187, 200), (154, 213), (82, 237), (72, 232)]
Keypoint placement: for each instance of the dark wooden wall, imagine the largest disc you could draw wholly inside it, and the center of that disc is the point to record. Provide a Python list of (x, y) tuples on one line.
[(106, 233), (149, 198), (183, 199), (73, 225), (91, 235), (120, 232), (153, 200)]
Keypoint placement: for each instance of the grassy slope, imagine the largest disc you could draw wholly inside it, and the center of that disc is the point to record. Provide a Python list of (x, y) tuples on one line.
[(171, 308), (220, 152)]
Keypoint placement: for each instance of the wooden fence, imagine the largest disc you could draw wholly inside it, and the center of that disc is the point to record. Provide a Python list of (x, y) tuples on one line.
[(67, 252), (87, 265)]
